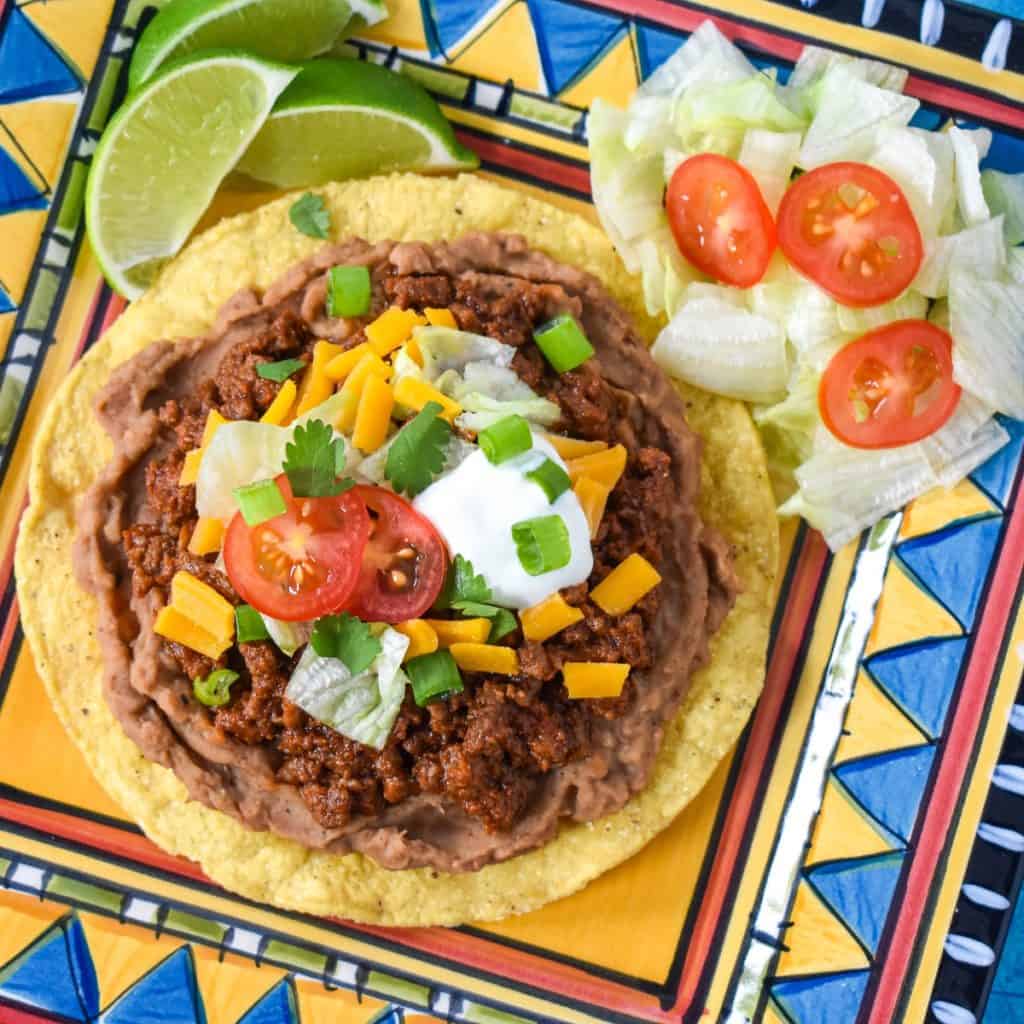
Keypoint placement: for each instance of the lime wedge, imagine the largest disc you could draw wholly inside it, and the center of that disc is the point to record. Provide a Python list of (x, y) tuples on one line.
[(283, 30), (349, 119), (165, 152)]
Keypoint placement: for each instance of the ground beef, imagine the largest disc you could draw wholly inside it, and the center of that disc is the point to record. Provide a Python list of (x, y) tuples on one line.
[(487, 748)]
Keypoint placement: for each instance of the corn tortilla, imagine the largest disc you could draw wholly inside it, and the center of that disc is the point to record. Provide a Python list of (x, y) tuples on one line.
[(252, 250)]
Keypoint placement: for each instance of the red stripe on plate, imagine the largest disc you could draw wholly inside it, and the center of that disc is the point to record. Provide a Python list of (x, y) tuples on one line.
[(953, 768), (533, 165), (16, 1014)]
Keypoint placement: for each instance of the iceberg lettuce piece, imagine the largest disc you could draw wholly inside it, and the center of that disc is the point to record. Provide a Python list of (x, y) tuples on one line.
[(771, 157), (980, 249), (911, 305), (970, 147), (362, 707), (815, 61), (1004, 194), (748, 103), (706, 58), (288, 636), (788, 429)]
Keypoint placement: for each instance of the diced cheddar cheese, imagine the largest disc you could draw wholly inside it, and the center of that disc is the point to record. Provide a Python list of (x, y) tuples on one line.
[(440, 317), (605, 467), (391, 328), (414, 394), (625, 585), (486, 658), (570, 448), (373, 415), (207, 536), (342, 365), (214, 421), (460, 631), (173, 625), (316, 386), (591, 679), (190, 468), (278, 410), (593, 497), (549, 617), (413, 351), (202, 604), (371, 365), (422, 638)]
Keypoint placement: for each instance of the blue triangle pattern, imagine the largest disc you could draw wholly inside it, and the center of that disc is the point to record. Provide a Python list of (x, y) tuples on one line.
[(16, 191), (168, 994), (570, 38), (278, 1006), (889, 786), (448, 21), (6, 302), (55, 974), (920, 677), (655, 46), (29, 65), (389, 1015), (953, 563), (830, 999), (996, 476), (860, 891)]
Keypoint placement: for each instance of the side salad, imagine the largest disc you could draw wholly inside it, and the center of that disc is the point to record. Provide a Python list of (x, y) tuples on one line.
[(854, 278)]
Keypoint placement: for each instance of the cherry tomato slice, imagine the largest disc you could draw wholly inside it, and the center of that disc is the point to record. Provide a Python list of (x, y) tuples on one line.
[(850, 229), (405, 561), (720, 220), (304, 563), (893, 386)]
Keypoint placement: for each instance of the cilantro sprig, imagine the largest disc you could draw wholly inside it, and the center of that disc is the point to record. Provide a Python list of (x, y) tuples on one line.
[(418, 451), (466, 591), (347, 638), (314, 461), (310, 216), (281, 370)]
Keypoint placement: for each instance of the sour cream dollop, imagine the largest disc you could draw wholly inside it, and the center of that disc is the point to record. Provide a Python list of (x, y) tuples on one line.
[(474, 508)]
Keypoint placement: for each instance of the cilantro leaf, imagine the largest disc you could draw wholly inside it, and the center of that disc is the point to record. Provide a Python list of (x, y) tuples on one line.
[(310, 216), (467, 592), (418, 451), (279, 371), (313, 459), (503, 623), (347, 638)]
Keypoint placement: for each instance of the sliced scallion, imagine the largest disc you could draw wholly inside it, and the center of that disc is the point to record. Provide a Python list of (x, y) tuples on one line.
[(542, 544), (505, 439), (279, 371), (260, 501), (432, 676), (551, 478), (214, 690), (563, 343), (249, 625), (348, 291)]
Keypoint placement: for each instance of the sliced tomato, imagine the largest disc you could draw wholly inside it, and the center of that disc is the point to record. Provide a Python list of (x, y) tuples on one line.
[(304, 563), (720, 220), (405, 561), (892, 386), (850, 229)]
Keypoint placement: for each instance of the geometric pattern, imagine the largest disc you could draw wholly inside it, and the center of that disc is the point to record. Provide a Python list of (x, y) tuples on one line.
[(893, 644)]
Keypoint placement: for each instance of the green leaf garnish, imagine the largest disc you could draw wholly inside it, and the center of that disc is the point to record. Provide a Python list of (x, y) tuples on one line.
[(418, 451), (467, 592), (313, 459), (310, 216), (214, 690), (279, 371), (502, 624), (346, 638)]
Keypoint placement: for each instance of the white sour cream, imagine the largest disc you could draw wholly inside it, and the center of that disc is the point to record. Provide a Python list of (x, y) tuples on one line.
[(474, 508)]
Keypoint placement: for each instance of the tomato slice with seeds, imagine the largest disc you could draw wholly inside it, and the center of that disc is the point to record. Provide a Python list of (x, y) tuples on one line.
[(850, 229), (720, 220), (304, 563), (891, 387), (405, 561)]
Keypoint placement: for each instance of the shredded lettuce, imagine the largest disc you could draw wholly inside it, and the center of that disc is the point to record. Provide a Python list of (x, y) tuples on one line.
[(816, 61), (362, 707), (988, 352), (748, 103), (288, 636), (481, 411), (969, 149), (788, 429), (911, 305), (980, 249), (1004, 194), (771, 157), (445, 349)]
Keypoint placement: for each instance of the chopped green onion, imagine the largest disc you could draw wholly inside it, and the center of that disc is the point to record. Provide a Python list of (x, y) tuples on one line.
[(249, 625), (215, 690), (563, 343), (542, 544), (348, 292), (505, 439), (279, 371), (260, 501), (553, 480), (432, 676)]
